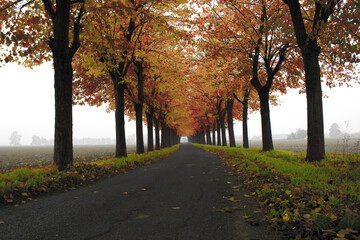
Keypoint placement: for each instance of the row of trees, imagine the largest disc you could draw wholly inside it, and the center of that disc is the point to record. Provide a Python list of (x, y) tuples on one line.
[(184, 67), (259, 48)]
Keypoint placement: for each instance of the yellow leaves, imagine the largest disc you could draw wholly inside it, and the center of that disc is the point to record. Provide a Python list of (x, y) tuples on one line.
[(286, 217), (232, 199), (343, 233), (316, 210)]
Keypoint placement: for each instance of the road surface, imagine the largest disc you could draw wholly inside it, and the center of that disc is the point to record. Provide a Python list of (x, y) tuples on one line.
[(181, 197)]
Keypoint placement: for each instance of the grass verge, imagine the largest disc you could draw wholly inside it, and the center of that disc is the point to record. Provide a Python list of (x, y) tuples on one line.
[(22, 184), (303, 200)]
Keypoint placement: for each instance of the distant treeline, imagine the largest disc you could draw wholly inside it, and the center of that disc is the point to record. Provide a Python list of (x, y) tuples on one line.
[(41, 141)]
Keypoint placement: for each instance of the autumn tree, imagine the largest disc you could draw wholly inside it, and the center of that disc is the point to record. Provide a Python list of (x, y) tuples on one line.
[(261, 34), (111, 37), (118, 36), (327, 31), (58, 24)]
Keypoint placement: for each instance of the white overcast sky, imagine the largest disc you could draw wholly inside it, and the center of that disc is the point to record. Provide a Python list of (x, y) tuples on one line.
[(27, 106)]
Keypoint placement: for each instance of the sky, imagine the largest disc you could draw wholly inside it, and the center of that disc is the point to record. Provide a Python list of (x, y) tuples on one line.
[(27, 106)]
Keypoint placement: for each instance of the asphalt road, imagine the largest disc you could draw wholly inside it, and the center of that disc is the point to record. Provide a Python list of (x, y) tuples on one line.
[(181, 197)]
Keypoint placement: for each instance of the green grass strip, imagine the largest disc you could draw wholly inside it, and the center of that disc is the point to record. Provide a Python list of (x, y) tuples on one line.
[(22, 184)]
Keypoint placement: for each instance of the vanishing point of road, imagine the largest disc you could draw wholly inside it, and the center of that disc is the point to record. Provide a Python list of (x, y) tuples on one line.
[(181, 197)]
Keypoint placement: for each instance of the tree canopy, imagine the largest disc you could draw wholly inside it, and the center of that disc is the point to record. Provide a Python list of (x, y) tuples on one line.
[(185, 67)]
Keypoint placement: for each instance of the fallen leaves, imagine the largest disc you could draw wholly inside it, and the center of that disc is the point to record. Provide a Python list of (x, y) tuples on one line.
[(302, 200), (227, 209), (232, 199)]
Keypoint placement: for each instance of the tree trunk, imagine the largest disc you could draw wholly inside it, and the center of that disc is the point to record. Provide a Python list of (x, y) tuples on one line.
[(139, 107), (315, 121), (214, 134), (267, 141), (230, 106), (167, 136), (310, 53), (139, 129), (120, 148), (149, 117), (208, 135), (63, 147), (223, 130), (163, 134), (245, 123), (218, 133), (202, 136), (157, 134)]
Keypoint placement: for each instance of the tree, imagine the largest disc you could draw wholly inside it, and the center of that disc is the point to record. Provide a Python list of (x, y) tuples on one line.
[(299, 134), (266, 42), (36, 140), (59, 19), (335, 131), (15, 138), (339, 39), (118, 35)]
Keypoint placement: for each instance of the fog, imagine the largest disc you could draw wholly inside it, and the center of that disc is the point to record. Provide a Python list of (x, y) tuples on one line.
[(27, 106)]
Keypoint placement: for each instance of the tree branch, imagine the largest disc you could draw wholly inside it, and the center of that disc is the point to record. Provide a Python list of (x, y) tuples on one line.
[(10, 5), (49, 9), (77, 26)]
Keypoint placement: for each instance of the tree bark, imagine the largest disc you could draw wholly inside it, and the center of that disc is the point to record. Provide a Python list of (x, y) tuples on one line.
[(208, 135), (310, 53), (139, 129), (218, 133), (149, 117), (120, 147), (245, 123), (139, 108), (157, 134), (167, 136), (63, 146), (62, 58), (267, 142), (214, 134), (223, 130), (163, 134), (245, 108), (315, 121), (229, 108)]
